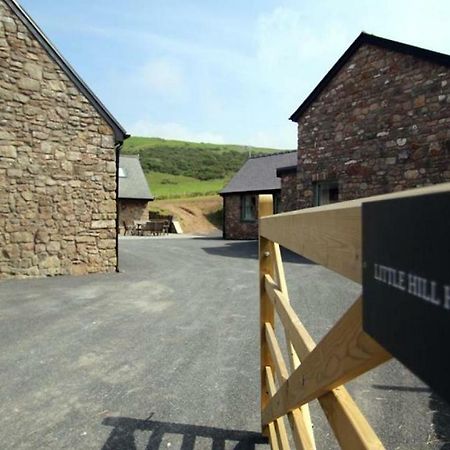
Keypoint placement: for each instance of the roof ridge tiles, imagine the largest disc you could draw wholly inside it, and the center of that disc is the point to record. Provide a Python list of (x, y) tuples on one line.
[(283, 152)]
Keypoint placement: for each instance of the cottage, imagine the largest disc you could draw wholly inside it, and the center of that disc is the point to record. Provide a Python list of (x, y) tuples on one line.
[(379, 121), (134, 192), (257, 176), (58, 151)]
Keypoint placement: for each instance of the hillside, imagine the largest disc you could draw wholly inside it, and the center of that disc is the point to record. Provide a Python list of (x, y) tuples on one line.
[(199, 215), (200, 161), (185, 177), (166, 185)]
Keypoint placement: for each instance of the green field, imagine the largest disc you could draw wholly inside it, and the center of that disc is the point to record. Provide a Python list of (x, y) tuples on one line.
[(166, 185), (139, 143), (178, 168), (195, 160)]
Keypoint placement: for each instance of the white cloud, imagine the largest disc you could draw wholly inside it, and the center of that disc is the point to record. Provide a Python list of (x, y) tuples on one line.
[(282, 137), (245, 93), (416, 22), (163, 76), (290, 45), (172, 130)]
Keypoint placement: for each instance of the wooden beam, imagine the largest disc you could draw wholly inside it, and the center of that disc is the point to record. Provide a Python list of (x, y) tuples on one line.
[(298, 335), (350, 427), (300, 425), (343, 354), (348, 423), (300, 421), (331, 238), (330, 235), (275, 353), (273, 438), (279, 269), (280, 278), (283, 441), (266, 309)]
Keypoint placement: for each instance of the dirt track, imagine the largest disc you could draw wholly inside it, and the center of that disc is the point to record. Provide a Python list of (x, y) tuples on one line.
[(197, 215)]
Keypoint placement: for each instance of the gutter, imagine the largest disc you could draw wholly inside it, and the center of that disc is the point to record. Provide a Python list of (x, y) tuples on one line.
[(286, 170)]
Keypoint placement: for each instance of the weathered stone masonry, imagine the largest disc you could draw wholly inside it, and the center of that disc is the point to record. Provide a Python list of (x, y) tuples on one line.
[(57, 166), (288, 194), (131, 210), (234, 228), (381, 125)]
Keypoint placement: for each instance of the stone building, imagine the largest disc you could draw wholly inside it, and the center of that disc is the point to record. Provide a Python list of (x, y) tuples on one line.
[(58, 151), (134, 192), (379, 121), (288, 182), (257, 176)]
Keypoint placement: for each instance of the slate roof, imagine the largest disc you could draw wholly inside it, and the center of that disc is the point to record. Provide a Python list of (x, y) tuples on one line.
[(364, 38), (119, 132), (259, 174), (134, 185)]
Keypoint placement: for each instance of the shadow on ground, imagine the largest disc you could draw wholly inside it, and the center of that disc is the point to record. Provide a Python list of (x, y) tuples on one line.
[(439, 408), (441, 420), (122, 436), (246, 249)]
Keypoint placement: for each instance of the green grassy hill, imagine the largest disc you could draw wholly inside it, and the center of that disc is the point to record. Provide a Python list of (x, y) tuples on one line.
[(180, 168), (166, 185)]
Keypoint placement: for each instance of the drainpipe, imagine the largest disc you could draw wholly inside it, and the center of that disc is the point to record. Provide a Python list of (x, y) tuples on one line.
[(224, 233), (117, 148)]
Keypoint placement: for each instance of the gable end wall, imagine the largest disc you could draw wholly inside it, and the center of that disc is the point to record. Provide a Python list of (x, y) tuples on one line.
[(57, 166), (381, 125)]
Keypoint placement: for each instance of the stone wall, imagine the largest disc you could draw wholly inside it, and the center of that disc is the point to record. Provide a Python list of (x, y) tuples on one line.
[(381, 125), (288, 191), (233, 227), (57, 166), (131, 210)]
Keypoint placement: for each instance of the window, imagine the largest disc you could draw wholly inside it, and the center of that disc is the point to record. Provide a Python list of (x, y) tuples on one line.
[(248, 208), (326, 192), (122, 173)]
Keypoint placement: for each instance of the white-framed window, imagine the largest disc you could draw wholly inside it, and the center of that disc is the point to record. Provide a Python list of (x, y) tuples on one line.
[(248, 208), (122, 173), (326, 192)]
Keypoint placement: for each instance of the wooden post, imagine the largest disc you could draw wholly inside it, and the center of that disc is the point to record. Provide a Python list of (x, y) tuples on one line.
[(266, 251), (294, 360)]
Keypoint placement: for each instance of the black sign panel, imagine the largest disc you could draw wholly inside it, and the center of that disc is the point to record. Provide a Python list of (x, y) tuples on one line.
[(406, 283)]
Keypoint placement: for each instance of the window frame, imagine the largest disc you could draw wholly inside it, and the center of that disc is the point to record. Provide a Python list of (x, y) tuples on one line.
[(318, 189), (245, 198)]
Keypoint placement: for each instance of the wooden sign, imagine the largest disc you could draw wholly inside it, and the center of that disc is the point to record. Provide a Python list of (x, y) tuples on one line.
[(406, 283)]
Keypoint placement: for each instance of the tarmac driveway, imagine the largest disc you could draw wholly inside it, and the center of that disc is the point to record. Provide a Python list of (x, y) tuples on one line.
[(166, 353)]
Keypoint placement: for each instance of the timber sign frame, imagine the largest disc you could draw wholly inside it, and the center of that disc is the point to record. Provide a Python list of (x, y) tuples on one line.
[(329, 235)]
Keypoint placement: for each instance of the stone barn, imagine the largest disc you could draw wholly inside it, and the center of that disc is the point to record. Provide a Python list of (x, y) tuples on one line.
[(134, 192), (379, 121), (58, 160), (257, 176)]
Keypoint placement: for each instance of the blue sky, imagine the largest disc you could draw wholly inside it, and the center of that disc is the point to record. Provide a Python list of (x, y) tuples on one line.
[(221, 71)]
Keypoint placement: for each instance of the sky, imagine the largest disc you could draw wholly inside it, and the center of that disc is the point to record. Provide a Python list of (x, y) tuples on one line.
[(224, 71)]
